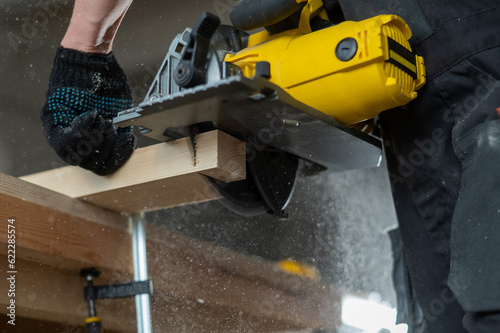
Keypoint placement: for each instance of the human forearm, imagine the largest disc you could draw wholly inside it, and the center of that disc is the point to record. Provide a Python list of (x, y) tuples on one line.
[(94, 24)]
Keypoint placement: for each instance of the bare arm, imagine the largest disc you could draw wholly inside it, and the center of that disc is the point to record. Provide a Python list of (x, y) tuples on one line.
[(94, 24)]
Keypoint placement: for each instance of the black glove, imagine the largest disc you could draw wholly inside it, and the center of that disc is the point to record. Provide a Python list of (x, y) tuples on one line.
[(86, 91)]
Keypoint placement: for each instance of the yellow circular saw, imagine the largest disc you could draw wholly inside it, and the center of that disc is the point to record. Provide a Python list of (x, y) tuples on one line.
[(289, 91)]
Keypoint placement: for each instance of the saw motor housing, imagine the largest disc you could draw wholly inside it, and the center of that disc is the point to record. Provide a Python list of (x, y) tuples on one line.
[(351, 71)]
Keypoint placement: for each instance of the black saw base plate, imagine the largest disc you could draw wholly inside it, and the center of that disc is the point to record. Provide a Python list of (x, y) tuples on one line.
[(261, 114)]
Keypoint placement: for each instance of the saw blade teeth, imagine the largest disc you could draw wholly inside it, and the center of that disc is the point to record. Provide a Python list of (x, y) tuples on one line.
[(195, 146)]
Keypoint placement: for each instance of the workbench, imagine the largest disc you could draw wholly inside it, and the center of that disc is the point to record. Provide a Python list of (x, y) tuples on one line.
[(67, 219)]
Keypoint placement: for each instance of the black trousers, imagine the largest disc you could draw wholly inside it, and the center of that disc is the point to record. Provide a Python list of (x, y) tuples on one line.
[(443, 153)]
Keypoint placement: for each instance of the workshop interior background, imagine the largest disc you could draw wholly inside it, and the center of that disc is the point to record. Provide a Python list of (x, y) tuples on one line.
[(338, 222)]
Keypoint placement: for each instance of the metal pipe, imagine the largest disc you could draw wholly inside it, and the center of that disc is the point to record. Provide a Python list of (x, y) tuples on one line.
[(90, 284), (143, 312)]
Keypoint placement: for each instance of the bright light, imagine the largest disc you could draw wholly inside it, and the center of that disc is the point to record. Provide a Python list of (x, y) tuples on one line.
[(370, 316)]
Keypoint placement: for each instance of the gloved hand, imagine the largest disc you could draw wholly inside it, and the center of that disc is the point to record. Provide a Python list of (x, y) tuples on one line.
[(86, 90)]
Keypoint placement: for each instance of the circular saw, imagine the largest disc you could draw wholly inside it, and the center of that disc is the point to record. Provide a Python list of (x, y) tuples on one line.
[(291, 91)]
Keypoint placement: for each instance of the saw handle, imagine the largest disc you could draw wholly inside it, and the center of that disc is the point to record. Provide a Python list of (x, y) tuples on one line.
[(253, 14), (191, 70)]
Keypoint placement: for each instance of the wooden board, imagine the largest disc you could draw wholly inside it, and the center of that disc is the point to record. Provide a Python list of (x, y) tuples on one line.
[(159, 176), (56, 237), (210, 276), (63, 232), (164, 193), (198, 287), (53, 294)]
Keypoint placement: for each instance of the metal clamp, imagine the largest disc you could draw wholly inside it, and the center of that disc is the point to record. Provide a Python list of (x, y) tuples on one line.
[(111, 291)]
